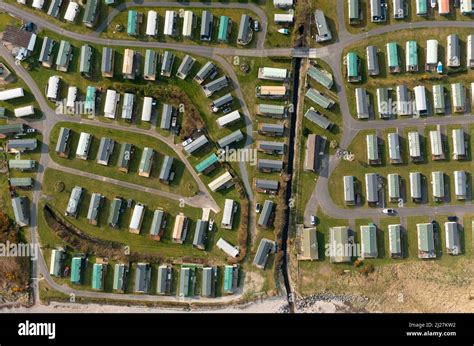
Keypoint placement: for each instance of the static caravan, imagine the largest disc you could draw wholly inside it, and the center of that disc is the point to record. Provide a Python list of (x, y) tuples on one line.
[(72, 11), (207, 21), (355, 13), (71, 98), (180, 228), (458, 94), (394, 148), (394, 240), (128, 67), (393, 61), (431, 55), (467, 7), (421, 7), (170, 23), (52, 92), (106, 149), (228, 216), (373, 156), (372, 61), (453, 51), (470, 51), (362, 105), (322, 27), (371, 188), (24, 111), (459, 144), (83, 146), (460, 184), (411, 58), (147, 108), (378, 11), (404, 104), (189, 24), (167, 64), (453, 243), (384, 103), (436, 145), (437, 184), (146, 162), (185, 67), (399, 8), (368, 235), (152, 24), (421, 104), (393, 187), (349, 190), (209, 70), (149, 70), (111, 101), (94, 208), (74, 201), (353, 68), (415, 186), (137, 218), (439, 103), (127, 106), (228, 119), (443, 7)]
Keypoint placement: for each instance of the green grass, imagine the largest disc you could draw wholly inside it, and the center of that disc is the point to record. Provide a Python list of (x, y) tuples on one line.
[(183, 183), (139, 243)]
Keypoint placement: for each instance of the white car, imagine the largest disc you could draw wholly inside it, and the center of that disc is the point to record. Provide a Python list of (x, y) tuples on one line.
[(389, 211), (313, 220)]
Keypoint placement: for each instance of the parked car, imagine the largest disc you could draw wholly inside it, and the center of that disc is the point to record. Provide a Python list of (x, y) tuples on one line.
[(453, 218), (211, 225), (187, 141), (30, 130), (313, 220), (258, 207), (256, 25)]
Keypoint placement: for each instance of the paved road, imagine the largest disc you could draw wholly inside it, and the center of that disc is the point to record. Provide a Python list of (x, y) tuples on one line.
[(209, 5)]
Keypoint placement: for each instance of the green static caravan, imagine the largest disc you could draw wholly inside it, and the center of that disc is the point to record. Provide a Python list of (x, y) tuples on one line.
[(120, 277), (426, 246), (231, 277), (64, 56), (149, 71), (91, 13), (321, 76), (353, 68), (77, 268), (132, 23), (187, 281), (208, 164), (319, 98), (411, 56), (98, 276), (224, 29)]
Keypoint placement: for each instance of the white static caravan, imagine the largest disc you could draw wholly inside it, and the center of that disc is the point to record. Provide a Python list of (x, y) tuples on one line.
[(170, 23), (127, 106), (137, 218), (72, 11), (436, 145), (393, 187), (111, 100), (459, 144), (38, 4), (9, 94), (421, 107), (394, 148), (188, 24), (152, 24), (460, 184), (431, 55), (437, 183), (147, 108), (52, 88), (228, 119), (83, 146), (71, 97)]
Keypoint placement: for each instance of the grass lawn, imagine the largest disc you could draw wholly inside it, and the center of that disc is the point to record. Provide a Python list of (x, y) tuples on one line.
[(385, 79), (182, 184)]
